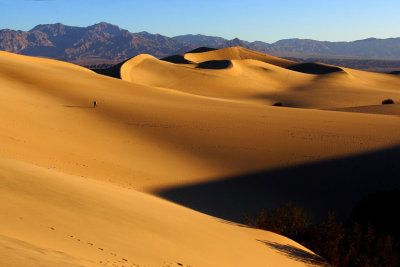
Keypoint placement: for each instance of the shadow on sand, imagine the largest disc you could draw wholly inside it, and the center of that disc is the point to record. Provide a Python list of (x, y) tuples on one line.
[(202, 49), (180, 59), (215, 64), (113, 71), (314, 68), (177, 59), (79, 107), (334, 185), (297, 254)]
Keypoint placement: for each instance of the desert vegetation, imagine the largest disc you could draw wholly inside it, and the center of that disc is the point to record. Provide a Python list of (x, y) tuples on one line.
[(370, 237), (387, 101)]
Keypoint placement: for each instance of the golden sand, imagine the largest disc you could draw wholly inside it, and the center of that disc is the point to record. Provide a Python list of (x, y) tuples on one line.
[(76, 182)]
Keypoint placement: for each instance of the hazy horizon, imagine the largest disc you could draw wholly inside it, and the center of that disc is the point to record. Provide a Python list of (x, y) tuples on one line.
[(253, 20)]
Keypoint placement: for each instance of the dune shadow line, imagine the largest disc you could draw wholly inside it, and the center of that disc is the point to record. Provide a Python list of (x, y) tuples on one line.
[(180, 59), (177, 59), (215, 64), (314, 68), (78, 106), (333, 185), (296, 253), (202, 49)]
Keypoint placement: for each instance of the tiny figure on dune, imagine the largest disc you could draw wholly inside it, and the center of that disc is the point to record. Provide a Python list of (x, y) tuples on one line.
[(94, 104)]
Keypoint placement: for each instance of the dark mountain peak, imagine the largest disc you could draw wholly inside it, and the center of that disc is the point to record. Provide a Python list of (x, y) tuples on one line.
[(202, 40), (50, 27), (163, 40), (57, 32), (197, 36), (105, 27), (260, 43), (188, 35), (101, 42), (144, 34), (368, 40), (153, 36), (236, 42), (103, 23), (104, 42), (9, 31), (292, 41)]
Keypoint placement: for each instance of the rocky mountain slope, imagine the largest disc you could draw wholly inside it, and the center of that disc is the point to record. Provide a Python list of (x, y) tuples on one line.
[(104, 42), (101, 41)]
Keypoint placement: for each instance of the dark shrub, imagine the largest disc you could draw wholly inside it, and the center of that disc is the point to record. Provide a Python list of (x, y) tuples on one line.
[(287, 220), (387, 101), (378, 210), (327, 240), (278, 104), (341, 244)]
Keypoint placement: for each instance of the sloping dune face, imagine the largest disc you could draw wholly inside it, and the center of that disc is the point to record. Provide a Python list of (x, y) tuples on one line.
[(227, 79), (138, 135), (237, 53), (70, 173), (53, 219), (239, 74), (50, 217)]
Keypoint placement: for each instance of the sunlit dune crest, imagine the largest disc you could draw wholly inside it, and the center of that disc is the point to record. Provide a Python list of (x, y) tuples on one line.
[(240, 74)]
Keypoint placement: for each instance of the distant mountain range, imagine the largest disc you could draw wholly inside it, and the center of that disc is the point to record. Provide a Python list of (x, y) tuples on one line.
[(371, 48), (99, 42), (104, 42)]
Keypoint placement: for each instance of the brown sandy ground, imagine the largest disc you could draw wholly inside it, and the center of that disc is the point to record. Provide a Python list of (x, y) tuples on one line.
[(68, 169)]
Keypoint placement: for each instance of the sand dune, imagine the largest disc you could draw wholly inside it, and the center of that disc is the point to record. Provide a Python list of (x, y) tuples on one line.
[(77, 169), (50, 218), (374, 109), (231, 81), (237, 53), (48, 120), (242, 75)]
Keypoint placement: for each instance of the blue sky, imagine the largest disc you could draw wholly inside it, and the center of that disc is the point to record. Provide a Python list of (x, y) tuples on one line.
[(269, 21)]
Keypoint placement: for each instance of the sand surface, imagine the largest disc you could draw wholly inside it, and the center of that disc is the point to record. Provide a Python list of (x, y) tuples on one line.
[(388, 109), (50, 218), (258, 78), (78, 182)]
